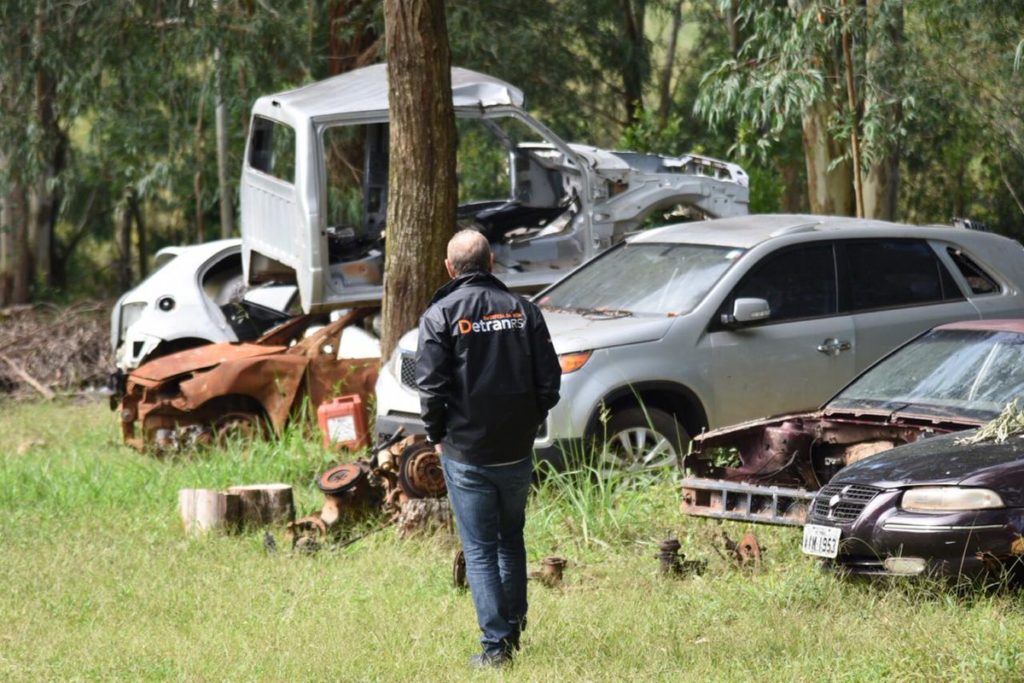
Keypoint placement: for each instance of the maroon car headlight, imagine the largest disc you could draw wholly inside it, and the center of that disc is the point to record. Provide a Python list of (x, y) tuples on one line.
[(949, 499)]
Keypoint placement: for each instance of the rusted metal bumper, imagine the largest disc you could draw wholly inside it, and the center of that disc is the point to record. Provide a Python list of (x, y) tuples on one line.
[(745, 502)]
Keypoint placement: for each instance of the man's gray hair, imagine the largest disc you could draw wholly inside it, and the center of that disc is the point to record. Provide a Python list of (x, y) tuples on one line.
[(469, 252)]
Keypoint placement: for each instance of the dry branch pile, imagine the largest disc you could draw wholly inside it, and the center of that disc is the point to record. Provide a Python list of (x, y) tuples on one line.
[(47, 349)]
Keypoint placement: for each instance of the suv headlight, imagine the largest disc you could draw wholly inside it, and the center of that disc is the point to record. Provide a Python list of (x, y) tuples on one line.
[(948, 498), (571, 362)]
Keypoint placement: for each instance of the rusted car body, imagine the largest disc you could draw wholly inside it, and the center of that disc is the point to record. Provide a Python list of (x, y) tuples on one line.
[(195, 396), (783, 461), (958, 377)]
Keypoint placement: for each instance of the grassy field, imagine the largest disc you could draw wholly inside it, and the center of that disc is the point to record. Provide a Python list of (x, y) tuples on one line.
[(100, 583)]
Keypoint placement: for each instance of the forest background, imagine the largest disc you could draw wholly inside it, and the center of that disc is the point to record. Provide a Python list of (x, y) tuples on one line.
[(108, 110)]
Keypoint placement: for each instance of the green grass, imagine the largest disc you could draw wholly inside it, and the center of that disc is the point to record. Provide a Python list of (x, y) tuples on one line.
[(100, 583)]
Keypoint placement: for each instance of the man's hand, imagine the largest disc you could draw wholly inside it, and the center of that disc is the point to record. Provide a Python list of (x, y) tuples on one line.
[(437, 448)]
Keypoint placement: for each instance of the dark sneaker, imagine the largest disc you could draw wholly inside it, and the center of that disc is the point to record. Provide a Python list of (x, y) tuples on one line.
[(491, 661)]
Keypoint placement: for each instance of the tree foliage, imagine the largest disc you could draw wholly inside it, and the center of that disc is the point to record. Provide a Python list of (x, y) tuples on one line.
[(107, 148)]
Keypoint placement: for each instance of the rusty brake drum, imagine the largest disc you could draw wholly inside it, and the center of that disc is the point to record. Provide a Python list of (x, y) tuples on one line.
[(342, 478), (419, 473)]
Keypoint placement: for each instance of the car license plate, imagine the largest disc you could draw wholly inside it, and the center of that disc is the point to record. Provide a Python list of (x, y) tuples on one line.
[(822, 541)]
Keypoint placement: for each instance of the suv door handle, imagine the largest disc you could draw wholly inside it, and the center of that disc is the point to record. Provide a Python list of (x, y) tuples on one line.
[(833, 346)]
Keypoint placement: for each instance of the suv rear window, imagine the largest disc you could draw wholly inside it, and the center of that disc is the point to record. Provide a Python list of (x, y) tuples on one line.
[(272, 149), (896, 272), (978, 280)]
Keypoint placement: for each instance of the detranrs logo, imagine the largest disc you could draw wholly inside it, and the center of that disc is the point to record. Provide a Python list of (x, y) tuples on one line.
[(494, 322)]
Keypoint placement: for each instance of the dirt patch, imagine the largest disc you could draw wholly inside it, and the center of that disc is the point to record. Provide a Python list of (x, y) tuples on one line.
[(46, 350)]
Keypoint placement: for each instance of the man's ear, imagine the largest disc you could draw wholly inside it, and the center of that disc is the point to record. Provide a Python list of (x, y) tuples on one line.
[(491, 269), (449, 268)]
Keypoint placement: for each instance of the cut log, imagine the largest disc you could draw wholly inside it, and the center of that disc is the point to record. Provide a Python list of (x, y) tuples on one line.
[(264, 504), (422, 516), (204, 509)]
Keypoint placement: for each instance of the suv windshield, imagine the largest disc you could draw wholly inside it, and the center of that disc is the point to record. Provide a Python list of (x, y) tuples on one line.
[(959, 373), (659, 279)]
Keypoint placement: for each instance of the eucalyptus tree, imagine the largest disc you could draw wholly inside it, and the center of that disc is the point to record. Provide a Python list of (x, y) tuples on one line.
[(838, 69), (422, 188)]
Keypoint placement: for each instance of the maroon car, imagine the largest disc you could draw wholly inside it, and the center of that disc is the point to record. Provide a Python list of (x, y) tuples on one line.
[(954, 377), (938, 507)]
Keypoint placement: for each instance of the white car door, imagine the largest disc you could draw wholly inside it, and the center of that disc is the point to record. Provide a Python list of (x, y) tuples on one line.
[(796, 358)]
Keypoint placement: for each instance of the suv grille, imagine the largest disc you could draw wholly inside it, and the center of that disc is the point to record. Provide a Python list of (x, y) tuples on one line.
[(851, 501), (408, 371)]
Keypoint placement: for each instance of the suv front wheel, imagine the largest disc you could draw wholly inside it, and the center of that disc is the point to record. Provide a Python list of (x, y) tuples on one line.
[(639, 439)]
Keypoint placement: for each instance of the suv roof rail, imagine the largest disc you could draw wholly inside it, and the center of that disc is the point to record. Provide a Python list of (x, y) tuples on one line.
[(794, 229), (970, 224)]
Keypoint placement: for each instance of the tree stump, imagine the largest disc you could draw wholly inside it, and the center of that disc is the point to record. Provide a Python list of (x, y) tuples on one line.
[(204, 509), (424, 516), (263, 504)]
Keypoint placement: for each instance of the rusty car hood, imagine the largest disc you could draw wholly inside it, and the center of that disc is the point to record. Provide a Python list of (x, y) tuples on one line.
[(201, 358), (872, 417)]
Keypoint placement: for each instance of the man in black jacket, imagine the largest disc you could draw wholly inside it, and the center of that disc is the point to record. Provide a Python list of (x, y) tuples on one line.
[(487, 376)]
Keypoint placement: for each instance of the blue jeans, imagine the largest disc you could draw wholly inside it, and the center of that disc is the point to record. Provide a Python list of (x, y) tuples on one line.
[(490, 509)]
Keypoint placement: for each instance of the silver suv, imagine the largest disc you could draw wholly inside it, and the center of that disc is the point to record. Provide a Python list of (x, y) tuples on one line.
[(707, 324)]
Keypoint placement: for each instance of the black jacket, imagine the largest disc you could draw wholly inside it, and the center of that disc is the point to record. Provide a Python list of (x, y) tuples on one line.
[(486, 370)]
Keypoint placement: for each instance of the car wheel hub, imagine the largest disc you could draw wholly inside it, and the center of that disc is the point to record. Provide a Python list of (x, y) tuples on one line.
[(639, 448)]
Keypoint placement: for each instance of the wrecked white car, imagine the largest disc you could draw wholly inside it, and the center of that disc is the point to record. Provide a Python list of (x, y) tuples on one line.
[(314, 188), (195, 296)]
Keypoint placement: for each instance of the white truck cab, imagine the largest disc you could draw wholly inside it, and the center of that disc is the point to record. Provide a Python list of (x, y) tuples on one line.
[(314, 188)]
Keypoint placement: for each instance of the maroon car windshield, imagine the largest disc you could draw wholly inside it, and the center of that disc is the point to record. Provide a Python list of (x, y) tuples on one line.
[(949, 373)]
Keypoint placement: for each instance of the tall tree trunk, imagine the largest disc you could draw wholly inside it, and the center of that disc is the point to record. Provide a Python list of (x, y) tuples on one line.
[(828, 191), (854, 108), (197, 179), (732, 26), (792, 187), (882, 182), (665, 83), (21, 287), (227, 202), (42, 204), (124, 244), (422, 185), (6, 243), (350, 44), (140, 233), (633, 66)]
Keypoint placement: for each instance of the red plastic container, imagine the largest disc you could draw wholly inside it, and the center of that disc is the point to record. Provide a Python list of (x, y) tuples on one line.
[(343, 422)]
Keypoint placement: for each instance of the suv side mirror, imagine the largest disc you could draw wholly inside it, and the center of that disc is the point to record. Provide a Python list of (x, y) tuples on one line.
[(747, 310)]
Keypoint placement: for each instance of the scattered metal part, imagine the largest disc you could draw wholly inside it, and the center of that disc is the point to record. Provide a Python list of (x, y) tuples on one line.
[(668, 556), (459, 579), (306, 545), (403, 479), (302, 531), (674, 563), (420, 474), (746, 553), (749, 551), (551, 570), (342, 478), (269, 543)]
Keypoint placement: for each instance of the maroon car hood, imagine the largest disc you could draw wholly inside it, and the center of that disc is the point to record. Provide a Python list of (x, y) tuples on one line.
[(873, 416)]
